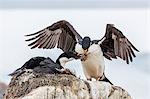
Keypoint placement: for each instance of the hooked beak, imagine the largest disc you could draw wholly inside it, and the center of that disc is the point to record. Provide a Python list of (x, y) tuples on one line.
[(86, 50)]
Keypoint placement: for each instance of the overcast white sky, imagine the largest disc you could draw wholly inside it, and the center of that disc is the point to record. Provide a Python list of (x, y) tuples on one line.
[(73, 4), (92, 22), (15, 23)]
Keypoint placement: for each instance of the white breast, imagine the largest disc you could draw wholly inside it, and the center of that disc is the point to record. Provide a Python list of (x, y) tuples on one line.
[(94, 65)]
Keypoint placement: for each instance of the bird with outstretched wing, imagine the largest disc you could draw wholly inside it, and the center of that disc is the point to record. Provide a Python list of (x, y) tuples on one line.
[(63, 35)]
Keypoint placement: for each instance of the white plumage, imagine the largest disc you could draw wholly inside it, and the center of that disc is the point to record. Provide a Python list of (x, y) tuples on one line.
[(63, 35), (93, 66)]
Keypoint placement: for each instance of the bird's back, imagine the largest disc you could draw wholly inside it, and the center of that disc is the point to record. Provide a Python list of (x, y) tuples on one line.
[(47, 66), (38, 65)]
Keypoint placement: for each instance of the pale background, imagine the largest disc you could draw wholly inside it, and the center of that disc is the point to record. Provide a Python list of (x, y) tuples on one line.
[(89, 19)]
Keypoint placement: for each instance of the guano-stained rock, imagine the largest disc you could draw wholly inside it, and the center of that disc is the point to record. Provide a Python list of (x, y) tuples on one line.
[(61, 86)]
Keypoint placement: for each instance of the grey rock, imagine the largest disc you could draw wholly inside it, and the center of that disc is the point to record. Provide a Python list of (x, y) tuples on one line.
[(61, 86)]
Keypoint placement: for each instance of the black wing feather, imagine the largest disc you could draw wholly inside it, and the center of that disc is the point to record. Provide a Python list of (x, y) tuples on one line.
[(60, 33), (116, 44)]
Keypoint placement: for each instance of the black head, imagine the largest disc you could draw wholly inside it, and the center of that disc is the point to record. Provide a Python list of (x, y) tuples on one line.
[(86, 42), (68, 55)]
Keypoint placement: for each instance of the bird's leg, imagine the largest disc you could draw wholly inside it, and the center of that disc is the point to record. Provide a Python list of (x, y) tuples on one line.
[(100, 78), (103, 78), (90, 79)]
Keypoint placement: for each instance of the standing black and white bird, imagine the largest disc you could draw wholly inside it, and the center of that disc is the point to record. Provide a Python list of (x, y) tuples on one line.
[(62, 34), (47, 65)]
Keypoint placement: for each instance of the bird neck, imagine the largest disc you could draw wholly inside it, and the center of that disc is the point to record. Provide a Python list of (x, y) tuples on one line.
[(61, 62), (58, 62)]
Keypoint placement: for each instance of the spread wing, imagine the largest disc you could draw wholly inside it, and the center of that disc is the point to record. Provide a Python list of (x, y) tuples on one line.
[(116, 44), (60, 33)]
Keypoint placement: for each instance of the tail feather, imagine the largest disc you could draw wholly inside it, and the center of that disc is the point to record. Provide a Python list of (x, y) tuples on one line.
[(104, 78), (107, 80), (17, 72)]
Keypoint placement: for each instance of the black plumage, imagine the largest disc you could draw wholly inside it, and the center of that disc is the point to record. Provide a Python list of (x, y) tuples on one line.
[(45, 65), (116, 44), (60, 33), (63, 34)]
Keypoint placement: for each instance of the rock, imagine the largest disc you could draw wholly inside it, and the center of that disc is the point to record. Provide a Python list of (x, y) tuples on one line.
[(3, 87), (61, 86)]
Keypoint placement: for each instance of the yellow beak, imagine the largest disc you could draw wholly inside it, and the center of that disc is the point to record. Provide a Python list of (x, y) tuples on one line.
[(86, 50)]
